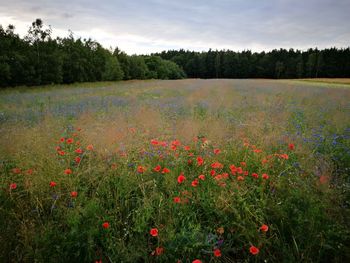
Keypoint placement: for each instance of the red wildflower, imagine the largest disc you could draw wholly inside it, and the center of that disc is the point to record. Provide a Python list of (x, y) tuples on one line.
[(16, 170), (68, 171), (154, 142), (79, 150), (90, 147), (284, 156), (159, 251), (243, 164), (255, 175), (77, 159), (157, 168), (265, 176), (200, 161), (141, 169), (217, 151), (13, 186), (105, 225), (233, 169), (212, 172), (245, 173), (240, 178), (217, 253), (239, 170), (69, 141), (74, 194), (196, 261), (189, 162), (62, 139), (254, 250), (30, 171), (154, 232), (61, 153), (187, 148), (194, 182), (177, 199), (176, 142), (53, 184), (202, 177), (257, 150), (58, 148), (217, 165), (181, 178), (291, 146), (173, 147), (165, 170), (264, 228)]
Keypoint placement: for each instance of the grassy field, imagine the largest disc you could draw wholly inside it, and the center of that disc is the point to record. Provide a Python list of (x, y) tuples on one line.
[(175, 171)]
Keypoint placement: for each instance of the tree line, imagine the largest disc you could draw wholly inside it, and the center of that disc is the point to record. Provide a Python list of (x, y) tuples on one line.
[(281, 63), (39, 59)]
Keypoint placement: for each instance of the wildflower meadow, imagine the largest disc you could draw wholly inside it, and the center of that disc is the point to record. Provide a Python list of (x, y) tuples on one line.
[(183, 171)]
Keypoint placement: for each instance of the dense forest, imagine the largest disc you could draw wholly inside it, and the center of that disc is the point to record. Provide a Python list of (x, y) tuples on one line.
[(282, 63), (39, 59)]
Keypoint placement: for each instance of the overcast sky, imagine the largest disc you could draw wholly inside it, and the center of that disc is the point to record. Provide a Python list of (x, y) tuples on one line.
[(145, 26)]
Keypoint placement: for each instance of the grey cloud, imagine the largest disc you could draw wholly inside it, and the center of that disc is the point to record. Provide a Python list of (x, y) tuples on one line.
[(235, 24)]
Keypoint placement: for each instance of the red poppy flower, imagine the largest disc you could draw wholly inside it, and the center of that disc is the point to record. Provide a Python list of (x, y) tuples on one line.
[(154, 232), (239, 170), (217, 253), (74, 194), (79, 150), (68, 171), (200, 161), (217, 165), (13, 186), (30, 171), (265, 176), (58, 148), (69, 141), (196, 261), (246, 173), (141, 169), (53, 184), (173, 147), (264, 228), (16, 170), (212, 172), (90, 147), (77, 159), (291, 146), (202, 177), (284, 156), (159, 251), (189, 162), (105, 225), (176, 143), (240, 178), (187, 148), (233, 169), (255, 175), (154, 142), (194, 182), (257, 150), (61, 153), (62, 139), (217, 151), (177, 199), (254, 250), (243, 164), (165, 170), (157, 168), (181, 178)]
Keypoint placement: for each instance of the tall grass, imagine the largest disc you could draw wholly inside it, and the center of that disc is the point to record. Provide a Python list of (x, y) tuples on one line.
[(273, 185)]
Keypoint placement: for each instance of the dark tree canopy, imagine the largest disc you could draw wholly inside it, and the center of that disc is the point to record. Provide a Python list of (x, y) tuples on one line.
[(38, 59)]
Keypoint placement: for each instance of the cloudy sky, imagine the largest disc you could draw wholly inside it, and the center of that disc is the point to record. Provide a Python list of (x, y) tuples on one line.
[(145, 26)]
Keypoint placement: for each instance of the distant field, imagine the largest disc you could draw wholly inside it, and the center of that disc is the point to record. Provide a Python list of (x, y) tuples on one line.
[(330, 80), (174, 171)]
